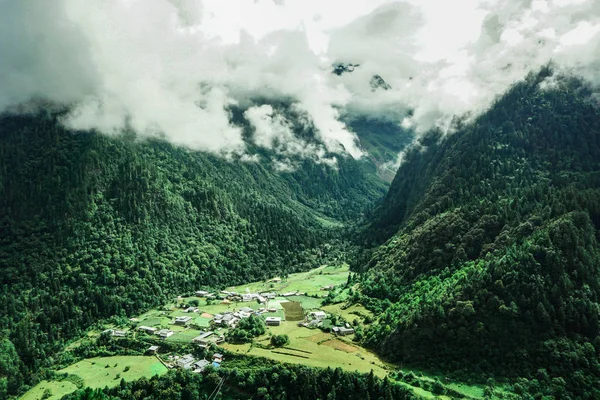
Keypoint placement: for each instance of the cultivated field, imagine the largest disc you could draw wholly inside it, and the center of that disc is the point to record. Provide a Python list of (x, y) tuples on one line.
[(97, 373), (293, 311), (314, 348)]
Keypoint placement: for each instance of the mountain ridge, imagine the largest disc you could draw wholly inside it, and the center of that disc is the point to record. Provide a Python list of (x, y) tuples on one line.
[(490, 247)]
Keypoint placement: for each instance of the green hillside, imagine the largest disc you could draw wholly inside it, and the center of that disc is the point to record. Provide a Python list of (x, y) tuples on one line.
[(490, 261), (93, 226)]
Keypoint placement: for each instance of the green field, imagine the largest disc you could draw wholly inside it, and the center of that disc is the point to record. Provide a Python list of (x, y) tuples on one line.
[(184, 336), (321, 349), (304, 282), (57, 390), (96, 374), (308, 303), (99, 372)]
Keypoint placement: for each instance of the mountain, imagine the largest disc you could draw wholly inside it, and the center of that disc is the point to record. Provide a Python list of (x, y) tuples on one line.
[(383, 140), (485, 251), (93, 226)]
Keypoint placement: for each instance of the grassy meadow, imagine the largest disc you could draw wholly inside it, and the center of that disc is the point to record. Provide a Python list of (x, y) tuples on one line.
[(97, 373)]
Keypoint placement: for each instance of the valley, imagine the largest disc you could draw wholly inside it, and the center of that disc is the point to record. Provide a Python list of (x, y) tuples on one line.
[(315, 346), (474, 275)]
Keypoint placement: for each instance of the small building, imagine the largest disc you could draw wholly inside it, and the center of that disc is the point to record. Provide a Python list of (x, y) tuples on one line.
[(318, 315), (186, 362), (164, 333), (246, 309), (201, 365), (343, 331), (202, 293), (191, 310), (201, 339), (271, 309), (276, 279), (147, 329), (289, 294), (328, 287), (229, 319), (269, 295), (182, 320), (119, 333), (152, 350), (273, 321), (218, 357)]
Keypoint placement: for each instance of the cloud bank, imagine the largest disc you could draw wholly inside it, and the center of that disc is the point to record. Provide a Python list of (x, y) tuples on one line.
[(173, 68)]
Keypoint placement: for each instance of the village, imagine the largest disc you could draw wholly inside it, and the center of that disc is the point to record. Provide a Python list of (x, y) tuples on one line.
[(191, 332), (205, 318)]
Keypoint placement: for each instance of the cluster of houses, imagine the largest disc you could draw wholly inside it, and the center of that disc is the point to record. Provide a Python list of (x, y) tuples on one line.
[(161, 333), (115, 333), (207, 338), (262, 297), (190, 363), (230, 319), (315, 319)]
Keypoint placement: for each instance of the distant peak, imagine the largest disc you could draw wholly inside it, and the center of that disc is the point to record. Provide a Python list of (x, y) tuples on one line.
[(342, 68)]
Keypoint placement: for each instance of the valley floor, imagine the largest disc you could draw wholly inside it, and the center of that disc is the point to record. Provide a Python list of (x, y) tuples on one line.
[(310, 346)]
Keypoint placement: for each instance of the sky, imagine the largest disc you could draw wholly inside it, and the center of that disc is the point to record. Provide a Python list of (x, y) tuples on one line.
[(172, 68)]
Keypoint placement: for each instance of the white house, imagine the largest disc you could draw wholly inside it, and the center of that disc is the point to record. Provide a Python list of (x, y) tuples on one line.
[(186, 361), (318, 315), (164, 333), (273, 321), (147, 329)]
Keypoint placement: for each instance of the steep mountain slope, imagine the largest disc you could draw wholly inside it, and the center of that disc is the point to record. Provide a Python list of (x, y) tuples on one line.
[(492, 261), (92, 227), (383, 140)]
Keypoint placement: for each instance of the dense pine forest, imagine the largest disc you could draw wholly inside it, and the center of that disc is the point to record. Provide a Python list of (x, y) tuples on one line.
[(94, 226), (489, 260)]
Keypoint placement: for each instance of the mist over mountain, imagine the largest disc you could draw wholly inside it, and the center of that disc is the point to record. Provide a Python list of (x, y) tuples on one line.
[(445, 155), (173, 68)]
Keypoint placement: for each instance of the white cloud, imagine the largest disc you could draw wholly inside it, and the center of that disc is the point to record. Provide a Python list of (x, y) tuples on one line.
[(173, 67), (269, 127)]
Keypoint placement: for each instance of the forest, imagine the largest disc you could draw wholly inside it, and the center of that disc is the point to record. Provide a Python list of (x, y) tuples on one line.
[(93, 226), (484, 256), (481, 262), (267, 382)]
